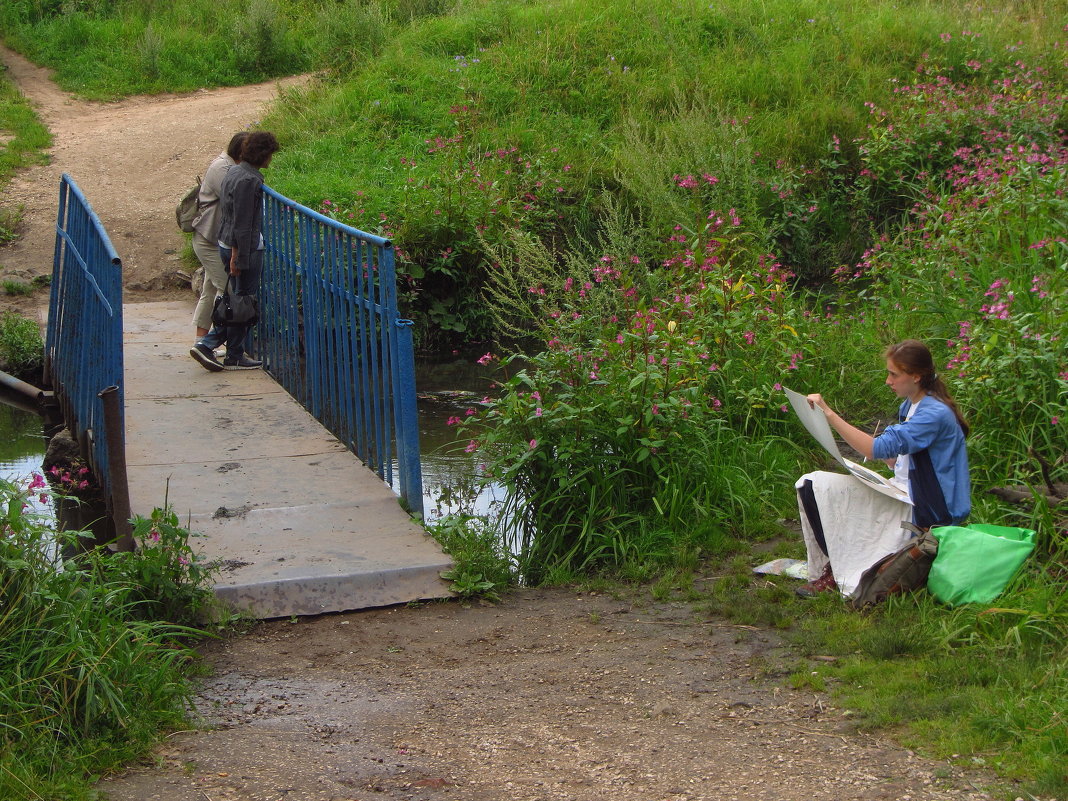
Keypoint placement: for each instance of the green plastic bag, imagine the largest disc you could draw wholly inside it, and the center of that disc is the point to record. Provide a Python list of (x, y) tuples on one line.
[(976, 562)]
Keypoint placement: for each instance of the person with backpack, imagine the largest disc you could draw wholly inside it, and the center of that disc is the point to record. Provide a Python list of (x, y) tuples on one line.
[(206, 233), (240, 243), (848, 528)]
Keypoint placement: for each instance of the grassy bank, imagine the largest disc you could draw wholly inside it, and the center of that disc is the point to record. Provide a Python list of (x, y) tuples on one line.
[(444, 124), (96, 658), (22, 142)]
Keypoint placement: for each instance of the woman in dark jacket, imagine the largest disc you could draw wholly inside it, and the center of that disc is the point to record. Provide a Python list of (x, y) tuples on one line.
[(240, 246)]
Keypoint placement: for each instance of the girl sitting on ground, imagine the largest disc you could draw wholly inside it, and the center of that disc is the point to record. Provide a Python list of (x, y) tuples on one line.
[(847, 526)]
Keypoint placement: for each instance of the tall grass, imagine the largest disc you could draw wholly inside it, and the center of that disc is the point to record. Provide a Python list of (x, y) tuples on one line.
[(22, 142), (23, 135), (90, 672), (21, 345)]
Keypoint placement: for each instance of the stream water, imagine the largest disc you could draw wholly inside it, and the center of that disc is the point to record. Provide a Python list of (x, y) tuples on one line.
[(22, 442), (450, 475)]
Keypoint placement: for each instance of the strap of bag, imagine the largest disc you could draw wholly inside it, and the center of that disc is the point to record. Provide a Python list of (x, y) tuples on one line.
[(912, 527)]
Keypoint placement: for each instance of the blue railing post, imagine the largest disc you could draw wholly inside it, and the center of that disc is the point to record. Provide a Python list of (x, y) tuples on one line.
[(331, 334), (83, 344), (407, 414)]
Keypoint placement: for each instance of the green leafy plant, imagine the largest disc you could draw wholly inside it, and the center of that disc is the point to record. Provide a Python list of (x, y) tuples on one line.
[(21, 346), (483, 566), (17, 288), (88, 679), (10, 220), (167, 578), (470, 585)]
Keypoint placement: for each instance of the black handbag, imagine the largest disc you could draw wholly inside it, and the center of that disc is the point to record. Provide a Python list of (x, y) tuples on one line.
[(233, 309)]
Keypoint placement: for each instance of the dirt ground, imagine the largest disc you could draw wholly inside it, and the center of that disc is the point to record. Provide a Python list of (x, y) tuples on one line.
[(133, 161), (551, 694)]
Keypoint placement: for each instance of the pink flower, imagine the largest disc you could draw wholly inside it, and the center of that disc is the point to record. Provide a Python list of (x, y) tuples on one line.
[(453, 421), (471, 446), (484, 360), (1054, 420), (749, 337), (533, 444), (469, 412), (537, 412)]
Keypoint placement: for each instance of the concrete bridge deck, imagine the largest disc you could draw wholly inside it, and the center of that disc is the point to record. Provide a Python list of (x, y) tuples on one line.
[(301, 526)]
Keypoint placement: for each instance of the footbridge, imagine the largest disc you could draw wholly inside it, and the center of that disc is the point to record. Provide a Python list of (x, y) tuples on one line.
[(303, 478)]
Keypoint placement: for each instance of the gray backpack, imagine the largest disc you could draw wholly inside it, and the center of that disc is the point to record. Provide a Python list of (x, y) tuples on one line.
[(899, 572), (188, 208)]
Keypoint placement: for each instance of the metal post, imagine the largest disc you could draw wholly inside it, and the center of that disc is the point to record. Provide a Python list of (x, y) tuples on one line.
[(117, 485), (411, 479)]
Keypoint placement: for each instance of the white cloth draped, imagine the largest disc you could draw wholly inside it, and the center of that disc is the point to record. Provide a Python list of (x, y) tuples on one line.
[(860, 526)]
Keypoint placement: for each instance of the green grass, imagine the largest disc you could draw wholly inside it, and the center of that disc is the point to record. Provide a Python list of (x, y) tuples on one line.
[(17, 288), (22, 136), (23, 140), (95, 663), (21, 345)]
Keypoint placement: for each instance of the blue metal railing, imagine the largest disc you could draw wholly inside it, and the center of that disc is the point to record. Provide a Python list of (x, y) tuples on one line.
[(83, 346), (331, 334)]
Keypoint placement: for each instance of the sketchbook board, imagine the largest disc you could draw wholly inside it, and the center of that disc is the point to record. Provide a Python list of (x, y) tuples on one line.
[(815, 422)]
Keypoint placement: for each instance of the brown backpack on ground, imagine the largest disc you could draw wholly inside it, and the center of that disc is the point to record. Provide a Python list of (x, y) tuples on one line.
[(899, 572)]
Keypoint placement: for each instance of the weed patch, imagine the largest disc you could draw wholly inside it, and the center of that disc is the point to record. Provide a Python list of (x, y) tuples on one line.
[(90, 676)]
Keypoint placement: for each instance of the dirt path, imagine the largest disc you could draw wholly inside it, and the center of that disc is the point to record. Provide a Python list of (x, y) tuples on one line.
[(133, 159), (550, 695)]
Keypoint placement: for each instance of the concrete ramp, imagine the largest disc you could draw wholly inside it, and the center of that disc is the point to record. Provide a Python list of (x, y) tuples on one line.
[(299, 524)]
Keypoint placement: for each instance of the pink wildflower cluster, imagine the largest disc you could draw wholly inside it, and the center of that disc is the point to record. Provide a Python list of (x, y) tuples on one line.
[(39, 485), (72, 478), (961, 347), (1000, 306), (690, 182)]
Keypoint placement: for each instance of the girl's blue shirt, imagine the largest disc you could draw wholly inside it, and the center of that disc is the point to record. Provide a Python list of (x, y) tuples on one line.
[(933, 428)]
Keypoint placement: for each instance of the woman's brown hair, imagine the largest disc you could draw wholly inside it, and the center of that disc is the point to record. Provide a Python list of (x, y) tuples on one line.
[(258, 148), (913, 357)]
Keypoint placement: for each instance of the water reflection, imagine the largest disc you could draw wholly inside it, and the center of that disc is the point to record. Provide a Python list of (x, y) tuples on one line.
[(22, 442), (451, 480)]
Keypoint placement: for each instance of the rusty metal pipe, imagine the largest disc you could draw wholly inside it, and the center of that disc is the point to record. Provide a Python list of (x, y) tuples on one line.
[(118, 485), (21, 387)]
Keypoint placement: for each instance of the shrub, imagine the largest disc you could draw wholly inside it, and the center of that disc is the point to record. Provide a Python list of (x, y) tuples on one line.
[(87, 677), (980, 266), (21, 346), (611, 439)]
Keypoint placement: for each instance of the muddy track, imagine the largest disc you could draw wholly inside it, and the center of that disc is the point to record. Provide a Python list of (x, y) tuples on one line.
[(133, 159)]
